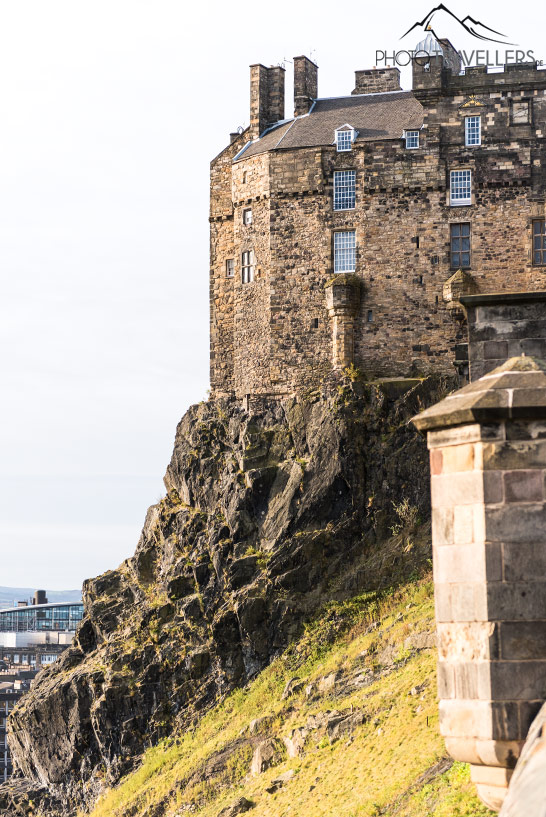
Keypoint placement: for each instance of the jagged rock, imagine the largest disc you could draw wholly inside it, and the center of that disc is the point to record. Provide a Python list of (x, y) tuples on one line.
[(244, 547), (293, 686), (259, 724), (266, 754), (421, 641), (295, 742), (340, 726), (279, 781), (327, 684), (240, 806)]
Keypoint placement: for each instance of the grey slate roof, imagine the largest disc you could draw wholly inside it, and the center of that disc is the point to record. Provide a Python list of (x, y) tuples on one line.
[(374, 116)]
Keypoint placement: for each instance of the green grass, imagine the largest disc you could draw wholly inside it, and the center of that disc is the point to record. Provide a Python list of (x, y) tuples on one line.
[(392, 764)]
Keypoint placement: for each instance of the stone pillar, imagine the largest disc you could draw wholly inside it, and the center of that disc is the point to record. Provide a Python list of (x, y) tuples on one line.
[(342, 302), (488, 467), (504, 325)]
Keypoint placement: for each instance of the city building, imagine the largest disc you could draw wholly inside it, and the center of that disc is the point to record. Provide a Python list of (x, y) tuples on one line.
[(348, 233), (31, 636)]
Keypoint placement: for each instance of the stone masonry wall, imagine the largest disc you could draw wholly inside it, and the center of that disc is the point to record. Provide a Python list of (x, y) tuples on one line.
[(281, 336), (488, 495)]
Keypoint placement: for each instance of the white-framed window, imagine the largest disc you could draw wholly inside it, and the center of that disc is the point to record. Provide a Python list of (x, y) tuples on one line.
[(230, 267), (345, 137), (247, 266), (247, 215), (472, 130), (344, 189), (345, 251), (412, 139), (460, 187)]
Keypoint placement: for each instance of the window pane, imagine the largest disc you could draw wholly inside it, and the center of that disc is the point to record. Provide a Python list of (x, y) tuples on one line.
[(460, 187), (345, 251), (472, 130), (465, 229), (537, 227), (344, 189), (465, 259), (466, 244), (344, 139), (537, 258), (456, 243)]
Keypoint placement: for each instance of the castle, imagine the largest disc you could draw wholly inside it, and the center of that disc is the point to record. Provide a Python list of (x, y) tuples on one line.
[(349, 233)]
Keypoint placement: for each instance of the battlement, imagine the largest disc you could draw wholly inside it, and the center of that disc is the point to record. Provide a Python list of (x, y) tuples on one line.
[(435, 76)]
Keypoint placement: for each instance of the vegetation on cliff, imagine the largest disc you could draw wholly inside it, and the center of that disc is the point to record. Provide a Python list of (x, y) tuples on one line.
[(270, 514), (344, 723)]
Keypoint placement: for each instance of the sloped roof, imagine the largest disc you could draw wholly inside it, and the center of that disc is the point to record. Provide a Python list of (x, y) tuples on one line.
[(374, 116)]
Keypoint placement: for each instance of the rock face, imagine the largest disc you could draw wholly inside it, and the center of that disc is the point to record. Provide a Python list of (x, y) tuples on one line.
[(266, 516)]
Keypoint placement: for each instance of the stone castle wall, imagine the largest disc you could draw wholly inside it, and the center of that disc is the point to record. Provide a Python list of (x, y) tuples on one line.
[(274, 335)]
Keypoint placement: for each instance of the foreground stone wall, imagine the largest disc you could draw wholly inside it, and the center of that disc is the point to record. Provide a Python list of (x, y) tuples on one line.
[(488, 468)]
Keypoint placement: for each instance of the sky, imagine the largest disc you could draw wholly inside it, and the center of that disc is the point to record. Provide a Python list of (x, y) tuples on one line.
[(110, 112)]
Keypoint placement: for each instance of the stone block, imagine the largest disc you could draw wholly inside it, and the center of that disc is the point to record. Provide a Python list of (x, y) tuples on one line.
[(442, 526), (459, 564), (481, 719), (512, 455), (517, 681), (495, 350), (464, 488), (523, 486), (463, 525), (492, 796), (470, 433), (463, 641), (499, 752), (526, 430), (461, 602), (493, 561), (515, 522), (446, 680), (516, 601), (469, 678), (457, 458), (522, 640), (491, 775), (525, 561), (493, 487)]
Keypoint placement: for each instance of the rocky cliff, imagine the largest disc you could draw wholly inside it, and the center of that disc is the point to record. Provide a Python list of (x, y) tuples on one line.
[(268, 513)]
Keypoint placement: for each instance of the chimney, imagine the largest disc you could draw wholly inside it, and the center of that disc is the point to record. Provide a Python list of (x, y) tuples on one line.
[(40, 597), (305, 85), (266, 97), (377, 81)]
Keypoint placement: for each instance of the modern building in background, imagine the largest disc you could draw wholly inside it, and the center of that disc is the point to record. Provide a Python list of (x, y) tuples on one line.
[(32, 636)]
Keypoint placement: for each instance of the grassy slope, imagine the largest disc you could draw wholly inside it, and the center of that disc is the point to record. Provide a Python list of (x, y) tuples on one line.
[(393, 764)]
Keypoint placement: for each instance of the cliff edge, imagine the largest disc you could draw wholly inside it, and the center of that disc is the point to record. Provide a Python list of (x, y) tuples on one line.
[(269, 513)]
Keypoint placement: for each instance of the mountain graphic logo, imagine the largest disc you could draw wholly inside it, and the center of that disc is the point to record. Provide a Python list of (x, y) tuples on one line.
[(477, 29)]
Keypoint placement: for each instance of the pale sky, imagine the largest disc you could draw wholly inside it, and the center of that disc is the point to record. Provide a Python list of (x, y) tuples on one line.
[(110, 112)]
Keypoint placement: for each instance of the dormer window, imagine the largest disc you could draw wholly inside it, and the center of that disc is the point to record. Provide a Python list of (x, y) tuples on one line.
[(412, 139), (345, 137)]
